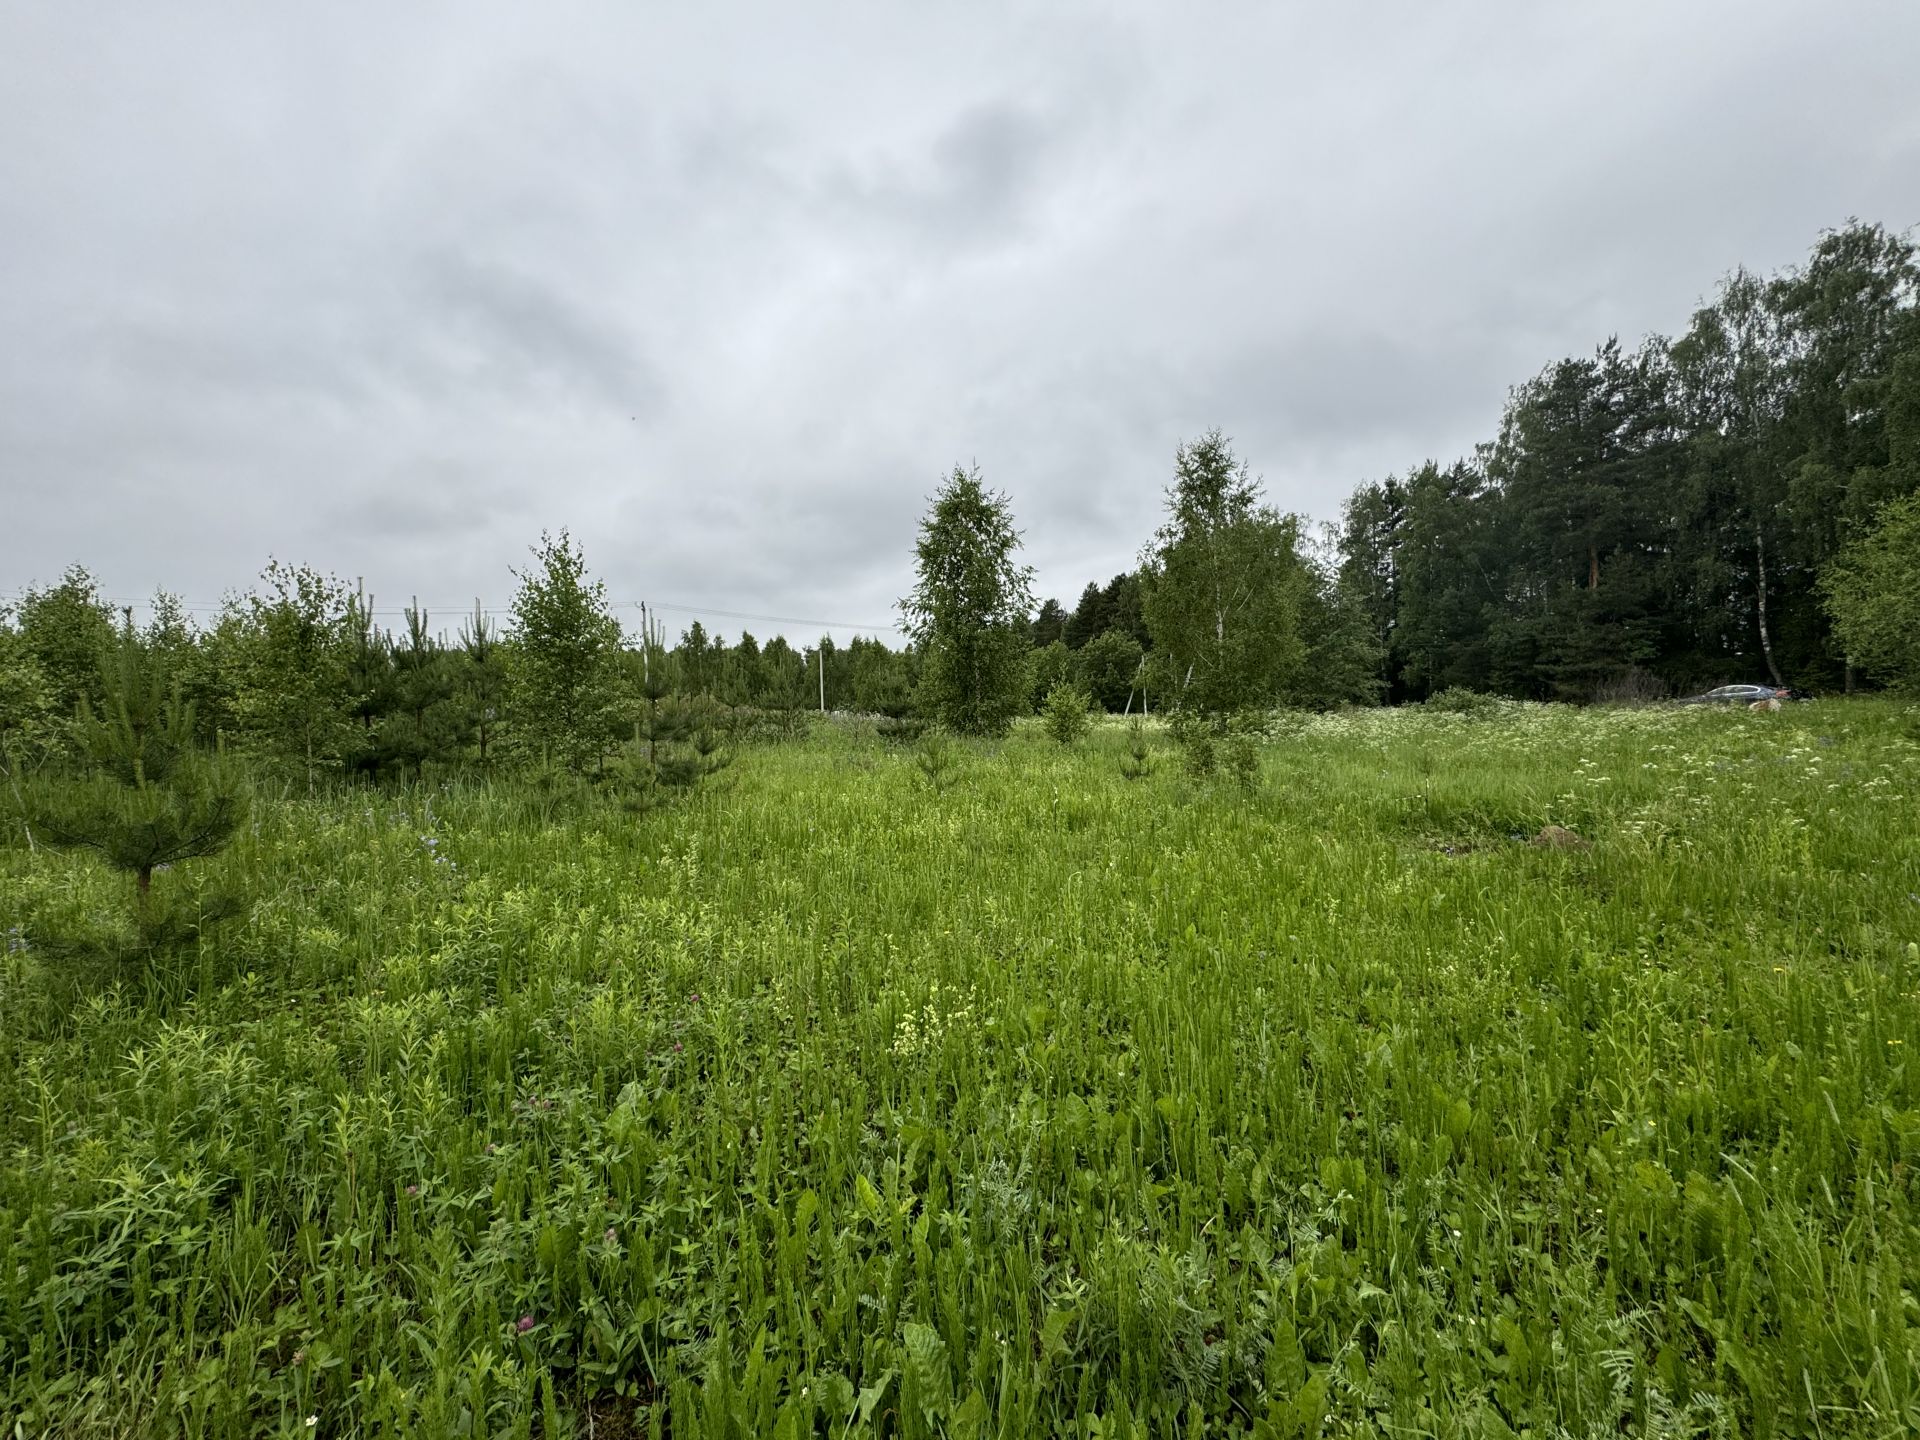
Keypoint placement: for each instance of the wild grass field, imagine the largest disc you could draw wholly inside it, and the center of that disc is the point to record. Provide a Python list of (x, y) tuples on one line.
[(830, 1102)]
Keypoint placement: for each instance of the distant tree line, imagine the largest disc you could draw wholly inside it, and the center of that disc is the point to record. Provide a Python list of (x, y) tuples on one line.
[(1737, 502), (299, 673)]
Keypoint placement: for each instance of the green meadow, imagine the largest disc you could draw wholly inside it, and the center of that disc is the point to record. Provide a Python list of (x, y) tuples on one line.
[(832, 1101)]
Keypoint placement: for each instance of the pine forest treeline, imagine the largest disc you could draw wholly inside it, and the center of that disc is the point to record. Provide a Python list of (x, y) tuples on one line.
[(1663, 517), (1732, 503)]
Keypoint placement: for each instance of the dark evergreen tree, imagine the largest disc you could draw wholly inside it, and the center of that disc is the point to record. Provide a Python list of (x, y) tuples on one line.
[(1583, 451), (1049, 625), (483, 681), (1370, 538), (429, 722), (881, 680), (1089, 617), (1450, 577), (369, 680), (746, 672), (1124, 602), (140, 796), (1109, 669)]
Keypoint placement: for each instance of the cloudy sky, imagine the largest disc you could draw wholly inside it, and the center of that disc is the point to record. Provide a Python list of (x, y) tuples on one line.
[(725, 289)]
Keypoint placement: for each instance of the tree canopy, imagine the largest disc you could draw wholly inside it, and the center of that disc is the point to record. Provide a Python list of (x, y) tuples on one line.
[(969, 608), (1225, 584)]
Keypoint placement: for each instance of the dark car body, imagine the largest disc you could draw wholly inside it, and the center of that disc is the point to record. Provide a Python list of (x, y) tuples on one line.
[(1740, 695)]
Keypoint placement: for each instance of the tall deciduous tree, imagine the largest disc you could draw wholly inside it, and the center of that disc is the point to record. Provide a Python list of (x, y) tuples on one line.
[(29, 721), (969, 609), (67, 630), (566, 677), (1874, 599), (293, 697), (1224, 585), (1345, 654)]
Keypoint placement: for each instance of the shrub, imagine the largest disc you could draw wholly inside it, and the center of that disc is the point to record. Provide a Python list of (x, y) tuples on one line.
[(1065, 714), (900, 729), (1631, 686), (1240, 754), (1458, 700)]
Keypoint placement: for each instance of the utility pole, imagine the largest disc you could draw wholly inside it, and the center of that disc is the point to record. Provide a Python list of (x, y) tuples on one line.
[(646, 647), (821, 652)]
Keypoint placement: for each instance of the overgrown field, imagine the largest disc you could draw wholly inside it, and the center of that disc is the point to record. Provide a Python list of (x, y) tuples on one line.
[(1045, 1103)]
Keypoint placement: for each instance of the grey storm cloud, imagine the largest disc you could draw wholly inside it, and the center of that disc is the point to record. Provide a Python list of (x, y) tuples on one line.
[(726, 289)]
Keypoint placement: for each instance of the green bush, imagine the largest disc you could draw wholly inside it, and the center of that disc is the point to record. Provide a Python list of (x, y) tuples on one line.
[(1064, 716), (1458, 700)]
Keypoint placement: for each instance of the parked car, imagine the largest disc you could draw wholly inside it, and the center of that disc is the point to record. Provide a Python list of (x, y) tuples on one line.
[(1740, 695)]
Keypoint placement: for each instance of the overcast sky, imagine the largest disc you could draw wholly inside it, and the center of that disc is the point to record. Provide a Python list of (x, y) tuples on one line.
[(388, 289)]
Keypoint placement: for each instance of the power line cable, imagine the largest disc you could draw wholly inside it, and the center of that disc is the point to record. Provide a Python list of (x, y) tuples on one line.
[(214, 607)]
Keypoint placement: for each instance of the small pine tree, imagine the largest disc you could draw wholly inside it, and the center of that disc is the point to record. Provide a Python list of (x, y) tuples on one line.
[(1065, 714), (369, 681), (665, 721), (483, 680), (1198, 737), (429, 723), (677, 741), (138, 795), (935, 755), (1137, 762)]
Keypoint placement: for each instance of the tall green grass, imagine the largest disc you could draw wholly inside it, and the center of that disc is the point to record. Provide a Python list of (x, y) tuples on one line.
[(1044, 1103)]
